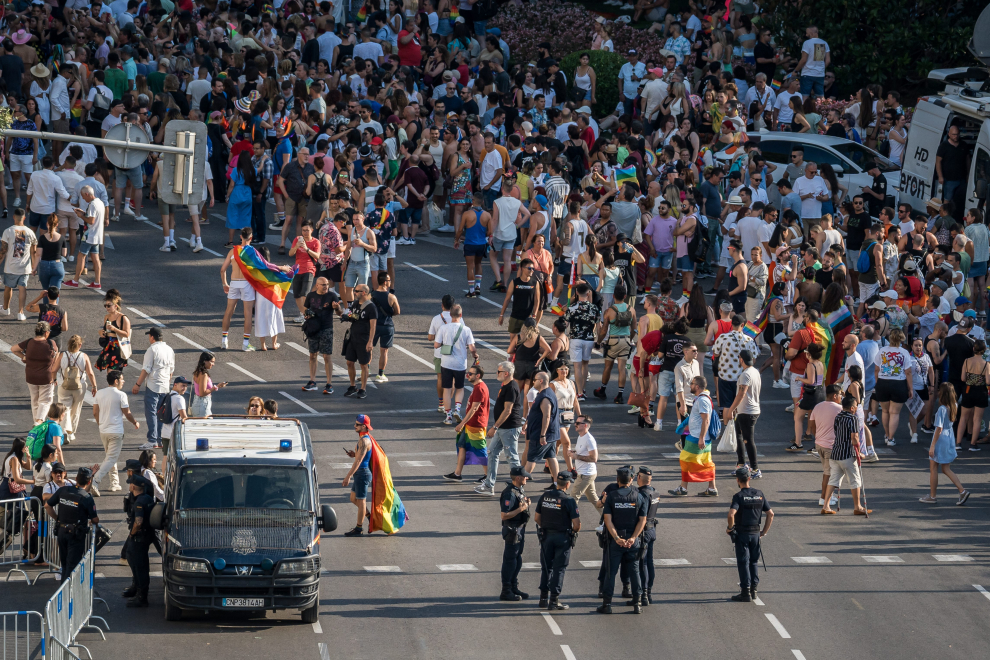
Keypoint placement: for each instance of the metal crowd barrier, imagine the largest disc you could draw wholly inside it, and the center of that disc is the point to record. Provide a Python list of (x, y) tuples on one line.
[(23, 635), (17, 523), (70, 610)]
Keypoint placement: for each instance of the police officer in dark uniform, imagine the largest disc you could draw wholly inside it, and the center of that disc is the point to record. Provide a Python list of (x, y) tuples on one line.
[(133, 467), (603, 540), (558, 523), (647, 572), (625, 517), (76, 509), (745, 533), (515, 514), (139, 539)]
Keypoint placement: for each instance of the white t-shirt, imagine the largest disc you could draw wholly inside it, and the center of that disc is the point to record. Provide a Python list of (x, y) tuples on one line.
[(810, 207), (728, 225), (585, 444), (508, 211), (579, 230), (98, 212), (855, 358), (783, 104), (750, 405), (457, 360), (438, 322), (109, 122), (197, 89), (19, 241), (893, 363), (77, 359), (159, 363), (111, 402), (369, 50), (693, 23), (766, 231), (815, 64), (178, 403)]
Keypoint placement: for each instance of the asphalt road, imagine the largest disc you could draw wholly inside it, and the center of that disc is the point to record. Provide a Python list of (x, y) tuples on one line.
[(901, 584)]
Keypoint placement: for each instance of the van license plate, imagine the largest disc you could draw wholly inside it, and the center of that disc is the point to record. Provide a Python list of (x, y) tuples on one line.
[(243, 602)]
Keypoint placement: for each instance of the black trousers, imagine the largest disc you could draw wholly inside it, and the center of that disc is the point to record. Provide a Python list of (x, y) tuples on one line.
[(647, 570), (71, 549), (137, 559), (748, 558), (628, 559), (745, 423), (258, 222), (127, 542), (512, 558), (623, 573), (555, 554)]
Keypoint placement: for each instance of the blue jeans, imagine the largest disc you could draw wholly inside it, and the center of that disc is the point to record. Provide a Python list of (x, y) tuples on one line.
[(508, 440), (151, 402), (490, 196), (480, 28), (949, 189), (813, 84), (51, 273)]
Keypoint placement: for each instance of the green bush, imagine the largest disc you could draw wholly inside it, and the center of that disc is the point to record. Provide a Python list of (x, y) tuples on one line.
[(606, 66)]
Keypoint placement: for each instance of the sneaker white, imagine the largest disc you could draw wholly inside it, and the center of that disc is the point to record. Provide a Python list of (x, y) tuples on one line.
[(402, 240), (248, 347), (17, 203), (446, 229), (633, 410), (890, 442), (223, 343), (299, 319), (821, 501), (5, 311), (481, 489), (21, 317), (658, 425), (148, 445), (381, 378), (914, 438), (141, 217), (72, 257), (127, 210), (833, 501), (198, 247), (871, 458), (165, 248), (116, 489), (789, 408)]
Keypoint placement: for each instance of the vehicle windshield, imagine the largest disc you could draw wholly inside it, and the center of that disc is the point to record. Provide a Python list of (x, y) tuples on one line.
[(862, 156), (243, 486)]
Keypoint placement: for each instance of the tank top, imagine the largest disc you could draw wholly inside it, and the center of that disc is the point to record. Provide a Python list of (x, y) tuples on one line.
[(359, 254), (476, 234), (653, 322), (976, 380), (619, 331), (722, 327), (366, 461), (369, 198), (819, 375), (526, 353), (385, 311), (588, 269), (612, 276), (437, 153), (583, 82), (209, 386), (565, 394), (522, 180)]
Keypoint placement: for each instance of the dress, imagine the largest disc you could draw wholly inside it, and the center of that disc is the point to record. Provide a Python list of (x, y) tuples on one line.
[(110, 357), (268, 319), (945, 446), (239, 204), (460, 192)]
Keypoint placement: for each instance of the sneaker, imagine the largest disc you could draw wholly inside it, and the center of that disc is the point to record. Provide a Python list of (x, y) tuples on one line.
[(95, 285), (381, 378), (198, 246), (248, 347), (402, 241), (440, 408), (890, 442), (821, 501), (599, 393), (928, 499), (872, 420), (448, 420), (710, 492), (274, 226), (115, 218), (116, 489), (148, 445), (457, 416), (328, 389), (310, 386), (165, 248), (357, 531), (70, 283), (871, 458), (780, 384), (756, 474), (963, 496), (72, 258), (361, 394), (658, 425), (21, 316), (914, 438), (495, 286), (481, 489), (299, 319), (127, 210), (351, 391), (789, 408), (446, 229), (927, 429), (141, 218), (481, 479), (412, 241), (619, 399), (680, 491), (633, 410), (17, 203), (172, 246), (5, 311), (971, 447), (582, 397), (453, 477)]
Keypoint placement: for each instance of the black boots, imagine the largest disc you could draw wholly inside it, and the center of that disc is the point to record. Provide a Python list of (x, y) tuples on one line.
[(647, 597), (555, 604), (752, 593), (626, 593), (130, 591), (604, 608), (544, 600), (743, 597), (521, 594), (507, 594), (140, 599)]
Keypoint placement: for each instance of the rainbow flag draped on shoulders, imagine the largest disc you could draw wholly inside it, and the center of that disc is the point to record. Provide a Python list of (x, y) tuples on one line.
[(823, 336), (472, 439), (387, 511), (625, 175), (753, 330), (264, 279), (840, 323)]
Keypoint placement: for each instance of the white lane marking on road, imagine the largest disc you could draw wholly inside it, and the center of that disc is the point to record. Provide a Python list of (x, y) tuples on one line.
[(146, 317), (594, 563), (417, 463), (425, 272), (246, 372), (324, 651), (383, 569), (884, 450), (568, 654), (530, 565), (317, 628), (776, 624), (413, 356), (191, 342), (297, 401), (812, 560), (155, 574), (337, 370), (616, 457), (883, 559), (982, 591), (5, 349), (554, 628), (494, 349), (99, 576), (952, 558), (457, 567), (798, 655), (758, 601), (340, 466), (408, 454), (673, 562), (729, 560), (205, 249), (671, 455)]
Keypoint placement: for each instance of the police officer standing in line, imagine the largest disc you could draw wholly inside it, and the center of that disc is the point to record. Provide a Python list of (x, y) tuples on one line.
[(558, 523), (603, 540), (133, 467), (647, 572), (76, 509), (515, 514), (746, 534), (139, 539), (625, 517)]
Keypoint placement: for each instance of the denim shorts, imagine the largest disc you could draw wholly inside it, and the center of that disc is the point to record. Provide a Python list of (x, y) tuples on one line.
[(411, 216), (135, 176), (361, 483), (978, 269), (88, 248), (379, 262), (665, 383), (13, 280), (662, 260), (685, 263), (357, 272), (498, 246)]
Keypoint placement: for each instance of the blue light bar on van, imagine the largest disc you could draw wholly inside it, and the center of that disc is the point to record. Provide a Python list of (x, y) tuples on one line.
[(285, 445), (202, 444)]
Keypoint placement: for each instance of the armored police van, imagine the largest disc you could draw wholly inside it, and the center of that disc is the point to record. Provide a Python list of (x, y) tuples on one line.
[(241, 519)]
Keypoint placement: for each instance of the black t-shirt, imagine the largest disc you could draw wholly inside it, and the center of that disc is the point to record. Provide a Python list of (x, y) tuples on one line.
[(836, 130), (953, 161), (879, 187), (672, 348), (471, 107), (523, 296), (361, 324), (749, 503), (762, 50), (322, 306), (856, 233), (824, 277), (52, 315), (960, 348), (509, 394)]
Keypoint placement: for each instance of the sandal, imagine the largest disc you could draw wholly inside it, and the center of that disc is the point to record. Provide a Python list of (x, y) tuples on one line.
[(862, 512), (275, 346), (829, 512), (795, 447)]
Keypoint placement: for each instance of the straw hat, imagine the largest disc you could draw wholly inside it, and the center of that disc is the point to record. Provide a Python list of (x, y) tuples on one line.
[(40, 71)]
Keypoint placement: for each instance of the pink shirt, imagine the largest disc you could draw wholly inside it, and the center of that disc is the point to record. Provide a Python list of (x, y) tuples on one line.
[(661, 232), (824, 415)]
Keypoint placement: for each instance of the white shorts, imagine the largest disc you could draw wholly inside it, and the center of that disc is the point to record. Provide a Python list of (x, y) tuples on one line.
[(391, 249), (19, 163), (796, 385), (241, 290), (581, 350), (725, 262), (867, 291)]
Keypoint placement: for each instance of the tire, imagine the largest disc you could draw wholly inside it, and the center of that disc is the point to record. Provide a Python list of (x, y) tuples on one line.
[(172, 612), (312, 614)]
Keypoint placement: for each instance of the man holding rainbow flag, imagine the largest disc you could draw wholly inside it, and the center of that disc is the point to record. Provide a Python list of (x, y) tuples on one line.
[(471, 445), (370, 471)]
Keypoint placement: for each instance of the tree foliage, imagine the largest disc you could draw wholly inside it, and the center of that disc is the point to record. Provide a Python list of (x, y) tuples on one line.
[(606, 66), (890, 42)]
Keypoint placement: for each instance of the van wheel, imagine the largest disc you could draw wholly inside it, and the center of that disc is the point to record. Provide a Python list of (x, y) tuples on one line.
[(312, 614), (172, 612)]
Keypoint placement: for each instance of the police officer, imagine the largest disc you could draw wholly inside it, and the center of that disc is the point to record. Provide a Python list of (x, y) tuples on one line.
[(647, 572), (625, 517), (603, 540), (133, 467), (76, 509), (746, 534), (558, 523), (139, 539), (515, 514)]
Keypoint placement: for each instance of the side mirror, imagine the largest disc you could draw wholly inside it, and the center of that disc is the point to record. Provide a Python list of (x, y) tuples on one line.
[(157, 517), (838, 169), (328, 518)]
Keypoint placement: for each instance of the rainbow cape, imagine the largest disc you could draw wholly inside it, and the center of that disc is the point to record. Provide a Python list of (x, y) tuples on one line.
[(753, 330), (272, 284), (840, 323), (822, 334), (696, 463), (624, 175), (387, 512), (472, 439)]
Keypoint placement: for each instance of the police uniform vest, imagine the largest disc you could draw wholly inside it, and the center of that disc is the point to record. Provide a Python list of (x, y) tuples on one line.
[(553, 516), (750, 509), (515, 496), (143, 504), (625, 504), (650, 493), (71, 509)]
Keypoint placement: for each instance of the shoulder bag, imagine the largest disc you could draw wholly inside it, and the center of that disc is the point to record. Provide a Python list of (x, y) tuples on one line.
[(447, 349)]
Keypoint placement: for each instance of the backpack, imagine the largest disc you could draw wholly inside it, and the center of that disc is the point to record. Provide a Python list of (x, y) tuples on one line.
[(165, 409), (622, 319), (865, 262), (484, 9), (36, 437), (714, 424), (72, 376), (101, 106), (697, 247), (321, 191)]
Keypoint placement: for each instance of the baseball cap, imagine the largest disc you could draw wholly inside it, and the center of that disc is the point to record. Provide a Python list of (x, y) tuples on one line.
[(910, 265), (132, 464), (542, 201), (519, 471), (942, 284), (565, 475), (889, 293), (181, 379), (962, 300), (631, 51), (155, 332), (657, 71), (645, 470), (970, 313), (879, 305), (58, 467), (366, 420)]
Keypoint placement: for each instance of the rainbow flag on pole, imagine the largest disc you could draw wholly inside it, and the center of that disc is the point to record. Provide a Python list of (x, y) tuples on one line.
[(472, 440), (823, 336), (265, 278), (387, 512), (840, 324), (625, 175)]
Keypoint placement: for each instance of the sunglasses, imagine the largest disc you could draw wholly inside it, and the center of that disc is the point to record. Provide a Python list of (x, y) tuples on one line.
[(108, 305), (254, 405)]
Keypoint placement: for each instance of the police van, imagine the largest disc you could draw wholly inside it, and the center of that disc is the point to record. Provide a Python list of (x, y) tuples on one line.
[(241, 520), (965, 103)]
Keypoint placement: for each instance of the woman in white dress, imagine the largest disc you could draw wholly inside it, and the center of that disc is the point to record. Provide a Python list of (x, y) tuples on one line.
[(268, 319)]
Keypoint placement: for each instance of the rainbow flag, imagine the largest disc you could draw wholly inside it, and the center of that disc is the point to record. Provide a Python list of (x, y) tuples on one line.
[(696, 463), (840, 323), (822, 334), (387, 512), (265, 279), (625, 175), (455, 12), (775, 85), (752, 330), (362, 14), (472, 440)]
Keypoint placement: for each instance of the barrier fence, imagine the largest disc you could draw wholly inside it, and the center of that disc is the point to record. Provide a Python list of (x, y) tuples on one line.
[(19, 540), (23, 635), (70, 610)]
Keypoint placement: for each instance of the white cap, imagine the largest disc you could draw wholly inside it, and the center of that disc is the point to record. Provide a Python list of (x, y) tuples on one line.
[(889, 293)]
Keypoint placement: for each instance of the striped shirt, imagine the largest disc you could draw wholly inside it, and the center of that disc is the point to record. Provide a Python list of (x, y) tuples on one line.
[(557, 191), (846, 426)]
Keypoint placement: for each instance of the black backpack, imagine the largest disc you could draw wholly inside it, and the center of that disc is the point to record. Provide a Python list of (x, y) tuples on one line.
[(485, 9), (165, 408), (697, 247), (321, 191), (101, 106)]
